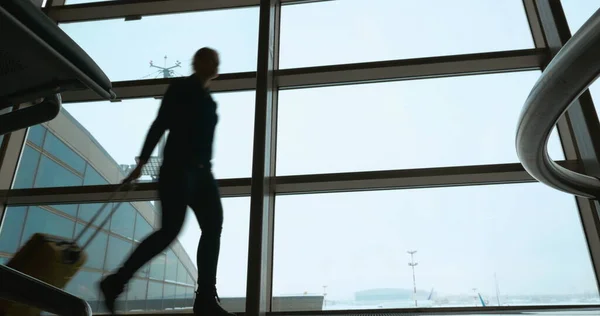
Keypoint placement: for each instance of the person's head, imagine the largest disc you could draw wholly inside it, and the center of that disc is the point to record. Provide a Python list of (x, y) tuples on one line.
[(206, 63)]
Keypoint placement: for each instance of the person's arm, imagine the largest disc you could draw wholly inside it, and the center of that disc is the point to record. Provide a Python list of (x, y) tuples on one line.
[(161, 123)]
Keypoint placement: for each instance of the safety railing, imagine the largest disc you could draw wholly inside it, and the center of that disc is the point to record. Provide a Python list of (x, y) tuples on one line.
[(18, 287), (567, 76)]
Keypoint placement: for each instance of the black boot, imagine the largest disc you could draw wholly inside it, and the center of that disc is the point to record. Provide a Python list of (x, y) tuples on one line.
[(111, 287), (207, 303)]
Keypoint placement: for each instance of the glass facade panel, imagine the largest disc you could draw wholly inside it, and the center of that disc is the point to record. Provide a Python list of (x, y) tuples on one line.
[(462, 242), (36, 134), (155, 295), (118, 249), (145, 40), (96, 250), (69, 209), (142, 228), (58, 149), (85, 285), (12, 227), (52, 174), (27, 168), (171, 269), (122, 220), (43, 221), (396, 125), (157, 267), (92, 177), (366, 31), (88, 210), (169, 296)]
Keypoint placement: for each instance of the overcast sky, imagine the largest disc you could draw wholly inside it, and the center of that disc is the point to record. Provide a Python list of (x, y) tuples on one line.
[(528, 234)]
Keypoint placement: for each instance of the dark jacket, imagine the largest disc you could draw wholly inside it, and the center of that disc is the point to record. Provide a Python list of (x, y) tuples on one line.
[(190, 114)]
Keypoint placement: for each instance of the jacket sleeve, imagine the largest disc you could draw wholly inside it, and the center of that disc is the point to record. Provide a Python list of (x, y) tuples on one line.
[(163, 122)]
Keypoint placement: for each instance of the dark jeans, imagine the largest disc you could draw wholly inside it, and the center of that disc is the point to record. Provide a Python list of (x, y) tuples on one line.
[(178, 189)]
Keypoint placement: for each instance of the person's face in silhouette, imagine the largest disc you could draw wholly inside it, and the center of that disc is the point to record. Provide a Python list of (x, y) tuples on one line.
[(206, 63)]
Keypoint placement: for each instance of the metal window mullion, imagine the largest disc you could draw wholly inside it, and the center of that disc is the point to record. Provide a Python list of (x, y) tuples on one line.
[(580, 129), (394, 70), (337, 182), (260, 245), (10, 153)]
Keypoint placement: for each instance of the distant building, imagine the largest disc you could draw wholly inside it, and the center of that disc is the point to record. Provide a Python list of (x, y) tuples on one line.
[(64, 153)]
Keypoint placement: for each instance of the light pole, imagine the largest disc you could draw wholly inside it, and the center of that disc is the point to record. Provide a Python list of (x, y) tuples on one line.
[(413, 264), (324, 296)]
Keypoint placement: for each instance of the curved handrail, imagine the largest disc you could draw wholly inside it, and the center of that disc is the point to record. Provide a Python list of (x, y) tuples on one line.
[(574, 68), (21, 288)]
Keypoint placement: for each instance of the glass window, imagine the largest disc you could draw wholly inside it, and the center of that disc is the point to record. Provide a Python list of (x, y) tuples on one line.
[(144, 270), (181, 273), (51, 174), (92, 177), (142, 228), (468, 120), (123, 220), (136, 290), (12, 226), (233, 256), (96, 249), (528, 236), (27, 168), (85, 285), (70, 209), (169, 296), (151, 40), (189, 280), (366, 31), (233, 135), (171, 269), (42, 221), (88, 210), (157, 267), (577, 13), (36, 134), (3, 260), (155, 296), (118, 249), (61, 151)]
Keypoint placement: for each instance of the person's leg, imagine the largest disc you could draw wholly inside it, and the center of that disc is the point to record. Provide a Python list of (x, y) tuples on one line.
[(208, 209), (172, 195)]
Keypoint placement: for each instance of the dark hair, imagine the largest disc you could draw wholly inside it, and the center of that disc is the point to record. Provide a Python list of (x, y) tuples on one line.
[(202, 54)]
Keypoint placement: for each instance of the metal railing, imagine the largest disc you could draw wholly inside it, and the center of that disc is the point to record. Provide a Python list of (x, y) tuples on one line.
[(568, 75), (21, 288)]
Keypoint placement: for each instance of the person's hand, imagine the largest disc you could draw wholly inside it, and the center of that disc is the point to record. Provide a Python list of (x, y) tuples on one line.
[(135, 174)]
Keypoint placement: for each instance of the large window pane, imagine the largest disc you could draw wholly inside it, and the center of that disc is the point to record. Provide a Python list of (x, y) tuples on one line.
[(42, 221), (155, 295), (58, 149), (142, 228), (12, 226), (123, 220), (92, 177), (338, 32), (136, 294), (36, 134), (27, 168), (577, 13), (85, 285), (118, 249), (96, 250), (52, 174), (154, 37), (467, 120), (526, 236), (122, 142), (157, 267), (233, 258)]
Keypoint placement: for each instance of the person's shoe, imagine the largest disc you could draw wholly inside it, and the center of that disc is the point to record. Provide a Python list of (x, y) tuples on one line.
[(207, 303), (111, 287)]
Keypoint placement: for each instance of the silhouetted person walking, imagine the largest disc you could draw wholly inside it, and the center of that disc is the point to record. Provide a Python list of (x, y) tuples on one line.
[(189, 113)]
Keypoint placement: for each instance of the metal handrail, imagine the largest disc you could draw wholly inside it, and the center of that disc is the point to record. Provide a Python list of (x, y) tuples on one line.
[(574, 68), (21, 288)]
